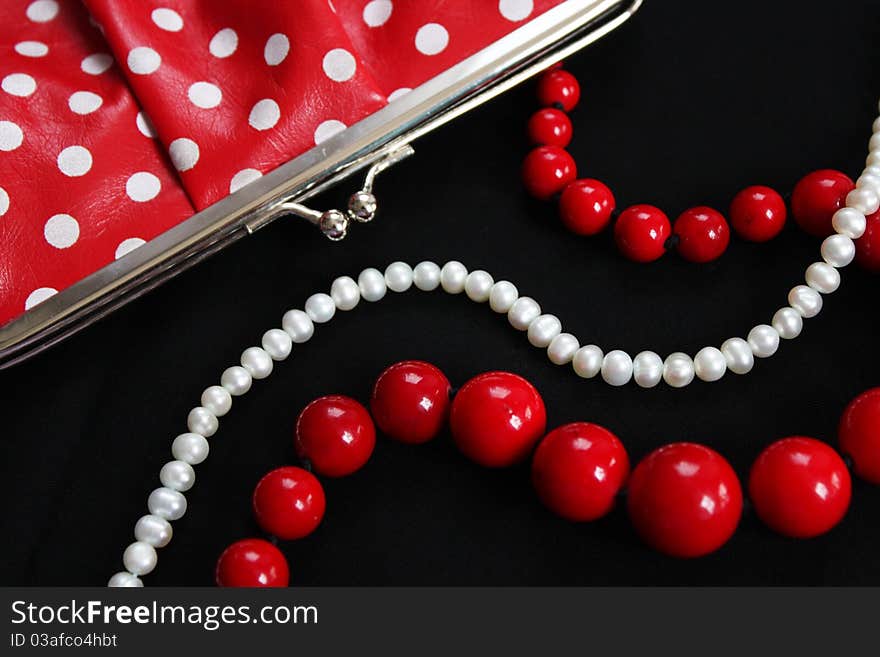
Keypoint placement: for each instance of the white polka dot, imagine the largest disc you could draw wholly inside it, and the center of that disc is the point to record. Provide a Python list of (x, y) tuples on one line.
[(377, 12), (31, 48), (143, 60), (11, 136), (39, 296), (4, 201), (19, 84), (167, 19), (61, 231), (127, 246), (184, 153), (75, 161), (142, 187), (84, 102), (42, 11), (223, 43), (327, 129), (277, 47), (96, 63), (264, 114), (515, 10), (398, 93), (145, 126), (205, 95), (339, 65), (242, 178), (432, 39)]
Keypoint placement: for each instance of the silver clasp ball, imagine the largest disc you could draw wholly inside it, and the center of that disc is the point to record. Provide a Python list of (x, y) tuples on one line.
[(334, 225), (362, 206)]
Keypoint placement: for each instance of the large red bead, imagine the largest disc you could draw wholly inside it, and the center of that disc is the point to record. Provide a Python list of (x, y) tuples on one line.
[(684, 500), (550, 127), (703, 234), (585, 206), (560, 88), (800, 487), (252, 562), (289, 503), (410, 401), (336, 434), (641, 232), (758, 213), (868, 245), (859, 434), (578, 469), (816, 198), (547, 170), (496, 418)]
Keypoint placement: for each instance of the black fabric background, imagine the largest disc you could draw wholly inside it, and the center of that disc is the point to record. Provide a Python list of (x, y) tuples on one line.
[(685, 105)]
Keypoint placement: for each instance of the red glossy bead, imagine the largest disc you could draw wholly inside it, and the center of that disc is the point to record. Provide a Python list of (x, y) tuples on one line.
[(578, 470), (641, 232), (550, 127), (800, 487), (496, 418), (859, 434), (558, 87), (758, 213), (252, 562), (410, 401), (703, 234), (586, 206), (336, 434), (868, 245), (547, 170), (684, 500), (289, 503), (816, 198)]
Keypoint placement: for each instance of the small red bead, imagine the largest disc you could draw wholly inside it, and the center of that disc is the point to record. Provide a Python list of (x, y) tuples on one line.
[(684, 500), (868, 245), (550, 127), (547, 170), (252, 562), (578, 469), (586, 206), (800, 487), (558, 87), (496, 418), (703, 234), (641, 232), (289, 503), (859, 434), (336, 434), (758, 213), (816, 198), (410, 401)]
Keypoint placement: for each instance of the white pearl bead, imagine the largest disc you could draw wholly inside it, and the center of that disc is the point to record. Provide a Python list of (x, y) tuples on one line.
[(125, 580), (869, 180), (177, 475), (877, 124), (167, 503), (345, 293), (543, 329), (502, 296), (863, 199), (153, 530), (617, 368), (426, 276), (849, 222), (822, 277), (139, 558), (523, 312), (562, 348), (710, 364), (478, 285), (872, 170), (217, 400), (764, 340), (805, 300), (873, 158), (398, 277), (739, 356), (202, 421), (372, 284), (320, 308), (838, 250), (788, 323), (236, 380), (298, 325), (453, 276), (190, 448), (647, 369), (587, 361), (678, 370), (874, 142), (277, 344), (257, 362)]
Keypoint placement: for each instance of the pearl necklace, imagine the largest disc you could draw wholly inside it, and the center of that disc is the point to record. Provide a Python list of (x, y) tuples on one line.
[(168, 503)]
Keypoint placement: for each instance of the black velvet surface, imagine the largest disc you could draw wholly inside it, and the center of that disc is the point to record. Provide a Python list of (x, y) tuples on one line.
[(685, 105)]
